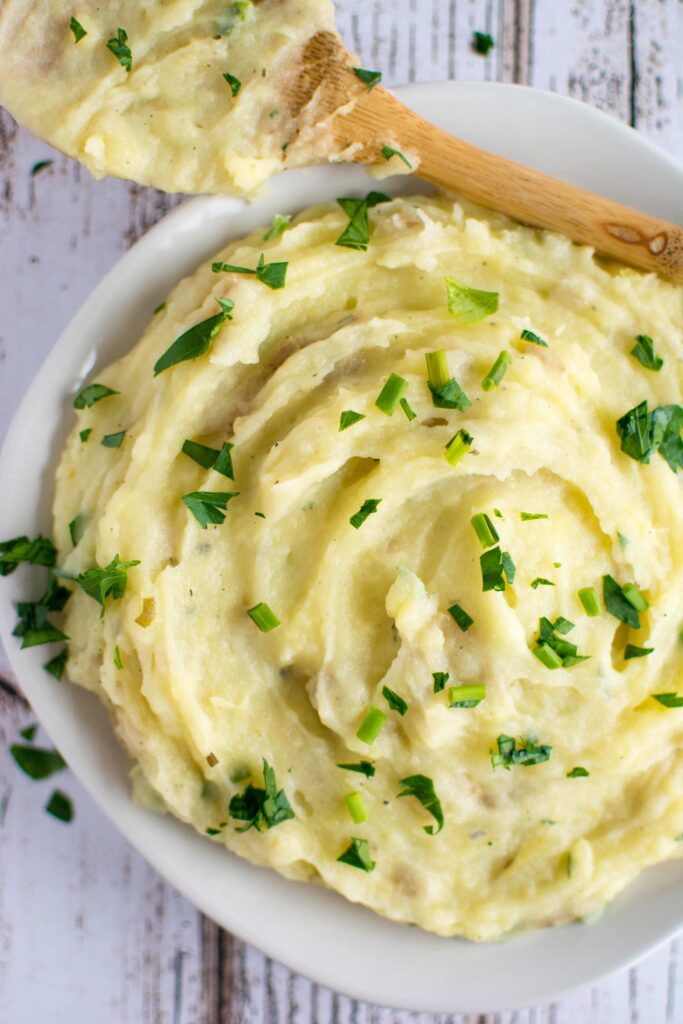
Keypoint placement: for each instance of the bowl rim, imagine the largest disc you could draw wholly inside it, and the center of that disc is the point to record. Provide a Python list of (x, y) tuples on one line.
[(91, 766)]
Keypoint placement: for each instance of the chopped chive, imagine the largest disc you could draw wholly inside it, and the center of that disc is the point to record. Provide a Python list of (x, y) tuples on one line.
[(279, 225), (389, 151), (492, 569), (634, 597), (356, 807), (484, 529), (160, 308), (368, 508), (497, 372), (458, 446), (617, 604), (631, 651), (440, 680), (371, 726), (589, 599), (407, 410), (437, 368), (446, 392), (498, 513), (540, 581), (528, 516), (394, 700), (458, 613), (118, 663), (234, 83), (78, 30), (357, 855), (534, 338), (348, 418), (547, 656), (466, 696), (509, 567), (578, 773), (366, 768), (669, 700), (390, 395), (40, 166), (263, 617)]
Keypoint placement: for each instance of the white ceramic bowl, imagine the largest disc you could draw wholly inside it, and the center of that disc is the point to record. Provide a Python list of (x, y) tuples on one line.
[(316, 932)]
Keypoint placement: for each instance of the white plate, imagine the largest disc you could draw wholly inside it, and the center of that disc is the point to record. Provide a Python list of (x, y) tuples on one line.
[(313, 931)]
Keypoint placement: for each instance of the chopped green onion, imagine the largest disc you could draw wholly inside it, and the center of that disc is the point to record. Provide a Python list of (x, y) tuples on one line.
[(78, 30), (118, 663), (371, 726), (348, 418), (634, 597), (497, 372), (357, 855), (407, 410), (390, 395), (578, 773), (617, 604), (263, 616), (368, 508), (669, 700), (631, 651), (534, 338), (509, 567), (437, 368), (484, 529), (446, 392), (356, 807), (458, 613), (394, 700), (466, 696), (589, 599), (440, 680), (547, 656), (388, 152), (458, 446), (492, 569), (528, 516)]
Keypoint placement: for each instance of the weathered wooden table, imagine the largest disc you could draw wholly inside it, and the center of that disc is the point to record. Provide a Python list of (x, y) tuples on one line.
[(89, 932)]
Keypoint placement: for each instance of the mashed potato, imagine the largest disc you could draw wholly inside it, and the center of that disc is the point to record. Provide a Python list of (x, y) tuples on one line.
[(186, 95), (555, 784)]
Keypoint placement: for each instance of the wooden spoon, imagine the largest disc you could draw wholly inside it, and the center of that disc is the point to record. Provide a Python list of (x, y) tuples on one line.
[(323, 91)]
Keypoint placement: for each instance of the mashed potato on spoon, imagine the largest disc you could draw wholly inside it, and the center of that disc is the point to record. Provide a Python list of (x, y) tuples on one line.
[(402, 586)]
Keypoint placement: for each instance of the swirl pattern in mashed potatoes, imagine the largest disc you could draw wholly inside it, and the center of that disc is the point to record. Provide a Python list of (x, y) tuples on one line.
[(203, 696)]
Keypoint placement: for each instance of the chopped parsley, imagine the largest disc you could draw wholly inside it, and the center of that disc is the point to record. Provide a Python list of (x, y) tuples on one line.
[(357, 855), (644, 352), (367, 509), (55, 666), (208, 507), (211, 458), (631, 651), (521, 752), (85, 434), (261, 808), (422, 788), (459, 615), (388, 152), (466, 696), (263, 616), (458, 446), (113, 440), (534, 338), (394, 389), (40, 551), (589, 599), (541, 581), (446, 391), (279, 225), (497, 372), (159, 308), (369, 78), (394, 700), (552, 650), (578, 773), (233, 82), (526, 517), (484, 529), (348, 418), (407, 410), (669, 700), (617, 603), (40, 166), (60, 806), (108, 582), (273, 275), (371, 726), (29, 733), (119, 47), (440, 680), (643, 433), (77, 527), (33, 625), (78, 30), (366, 768), (482, 42), (92, 393), (37, 762), (195, 341), (356, 234), (469, 304)]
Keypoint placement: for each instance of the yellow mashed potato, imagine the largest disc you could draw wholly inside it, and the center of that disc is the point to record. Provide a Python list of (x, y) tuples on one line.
[(201, 696), (138, 89)]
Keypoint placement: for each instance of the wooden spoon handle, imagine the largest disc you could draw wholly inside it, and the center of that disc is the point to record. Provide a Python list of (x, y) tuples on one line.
[(635, 238)]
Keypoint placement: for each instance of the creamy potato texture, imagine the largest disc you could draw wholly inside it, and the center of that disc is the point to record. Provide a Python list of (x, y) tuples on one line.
[(153, 104), (203, 696)]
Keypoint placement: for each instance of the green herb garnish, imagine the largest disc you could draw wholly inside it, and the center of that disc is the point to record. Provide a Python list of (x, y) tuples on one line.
[(357, 855), (617, 603), (263, 616), (369, 78), (492, 569), (395, 702), (522, 752), (526, 517), (113, 440), (440, 680), (422, 787), (233, 82), (390, 395), (458, 446), (497, 372), (40, 166), (631, 651), (644, 352), (85, 434), (356, 234), (407, 410), (119, 47), (110, 581), (589, 599), (348, 418), (669, 700), (482, 42), (261, 808), (541, 581), (77, 527), (366, 768), (534, 338), (60, 806), (279, 225), (446, 391), (634, 597), (118, 661), (368, 507), (211, 458), (39, 551), (29, 732), (388, 152), (469, 304), (273, 275), (371, 726), (484, 529), (458, 613), (197, 340), (578, 773), (355, 805), (33, 625), (552, 650), (37, 762), (208, 507), (55, 666), (466, 696), (92, 393), (78, 30), (643, 433)]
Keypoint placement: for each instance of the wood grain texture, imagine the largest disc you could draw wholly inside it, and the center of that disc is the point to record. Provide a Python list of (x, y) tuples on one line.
[(88, 932)]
